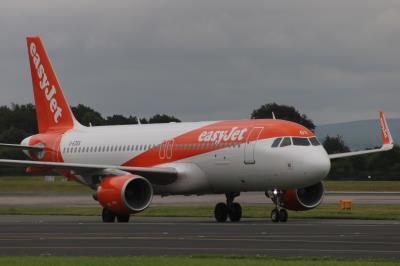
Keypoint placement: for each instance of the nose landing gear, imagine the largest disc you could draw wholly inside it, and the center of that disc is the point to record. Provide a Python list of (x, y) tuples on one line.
[(109, 217), (278, 214), (231, 209)]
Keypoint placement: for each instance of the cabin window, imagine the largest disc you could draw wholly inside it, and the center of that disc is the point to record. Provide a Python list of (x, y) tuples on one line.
[(314, 141), (301, 142), (286, 142)]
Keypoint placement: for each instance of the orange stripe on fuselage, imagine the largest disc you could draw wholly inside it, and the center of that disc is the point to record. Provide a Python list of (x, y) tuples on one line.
[(218, 135)]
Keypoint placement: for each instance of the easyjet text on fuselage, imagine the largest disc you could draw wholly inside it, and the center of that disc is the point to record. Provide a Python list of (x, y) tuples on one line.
[(216, 136)]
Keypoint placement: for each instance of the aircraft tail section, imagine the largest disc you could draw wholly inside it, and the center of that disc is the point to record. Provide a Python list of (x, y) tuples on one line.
[(52, 110)]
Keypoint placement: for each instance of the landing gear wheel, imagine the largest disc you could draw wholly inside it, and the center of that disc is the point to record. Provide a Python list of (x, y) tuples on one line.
[(221, 212), (275, 217), (283, 215), (123, 218), (108, 216), (235, 212)]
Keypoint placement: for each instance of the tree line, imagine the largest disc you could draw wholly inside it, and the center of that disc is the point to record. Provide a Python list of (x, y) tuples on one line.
[(19, 121)]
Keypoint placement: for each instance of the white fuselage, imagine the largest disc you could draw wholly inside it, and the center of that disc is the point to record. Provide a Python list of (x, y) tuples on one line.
[(244, 164)]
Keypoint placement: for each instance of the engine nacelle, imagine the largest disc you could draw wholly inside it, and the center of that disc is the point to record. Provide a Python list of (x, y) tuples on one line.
[(125, 194), (303, 199)]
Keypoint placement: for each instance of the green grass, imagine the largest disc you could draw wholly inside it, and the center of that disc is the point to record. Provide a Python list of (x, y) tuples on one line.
[(193, 261), (36, 184), (331, 211), (362, 185)]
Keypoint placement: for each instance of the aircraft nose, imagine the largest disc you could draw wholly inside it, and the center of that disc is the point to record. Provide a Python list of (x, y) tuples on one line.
[(317, 165)]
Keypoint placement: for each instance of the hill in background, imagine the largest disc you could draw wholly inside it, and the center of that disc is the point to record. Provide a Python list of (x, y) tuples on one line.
[(360, 134)]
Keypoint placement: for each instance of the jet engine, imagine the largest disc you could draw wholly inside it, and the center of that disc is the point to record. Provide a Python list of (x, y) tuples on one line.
[(125, 194), (303, 199)]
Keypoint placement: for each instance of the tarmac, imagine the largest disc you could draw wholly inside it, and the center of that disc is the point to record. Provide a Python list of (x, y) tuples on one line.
[(11, 200), (76, 236)]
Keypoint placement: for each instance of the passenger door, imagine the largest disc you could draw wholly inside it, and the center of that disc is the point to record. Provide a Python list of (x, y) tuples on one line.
[(252, 138)]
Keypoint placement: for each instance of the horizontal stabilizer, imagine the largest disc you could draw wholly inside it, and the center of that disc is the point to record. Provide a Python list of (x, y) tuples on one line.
[(21, 147)]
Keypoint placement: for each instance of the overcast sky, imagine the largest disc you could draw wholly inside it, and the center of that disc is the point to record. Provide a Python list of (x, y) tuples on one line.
[(207, 60)]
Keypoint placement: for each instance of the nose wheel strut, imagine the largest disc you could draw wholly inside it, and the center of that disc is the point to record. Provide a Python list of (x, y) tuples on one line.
[(278, 214), (230, 209)]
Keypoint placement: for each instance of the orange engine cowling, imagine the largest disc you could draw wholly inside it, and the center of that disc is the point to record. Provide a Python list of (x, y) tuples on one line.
[(303, 199), (125, 194)]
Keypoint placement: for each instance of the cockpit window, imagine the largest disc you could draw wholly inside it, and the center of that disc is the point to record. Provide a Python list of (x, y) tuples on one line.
[(314, 141), (286, 142), (276, 142), (301, 142)]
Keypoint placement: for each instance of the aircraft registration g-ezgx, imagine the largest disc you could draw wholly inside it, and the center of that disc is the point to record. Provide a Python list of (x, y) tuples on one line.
[(126, 165)]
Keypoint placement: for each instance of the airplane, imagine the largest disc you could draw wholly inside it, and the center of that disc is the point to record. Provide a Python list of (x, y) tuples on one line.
[(126, 165)]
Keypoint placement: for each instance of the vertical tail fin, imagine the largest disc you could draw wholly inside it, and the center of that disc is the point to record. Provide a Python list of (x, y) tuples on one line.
[(386, 136), (52, 110)]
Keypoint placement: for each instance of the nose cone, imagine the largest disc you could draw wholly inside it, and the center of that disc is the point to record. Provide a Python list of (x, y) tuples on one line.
[(317, 165)]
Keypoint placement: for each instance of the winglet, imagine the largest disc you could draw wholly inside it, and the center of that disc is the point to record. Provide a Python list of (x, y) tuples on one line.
[(387, 140)]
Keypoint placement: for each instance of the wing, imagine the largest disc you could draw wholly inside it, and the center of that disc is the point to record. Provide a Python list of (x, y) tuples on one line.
[(156, 175), (387, 142)]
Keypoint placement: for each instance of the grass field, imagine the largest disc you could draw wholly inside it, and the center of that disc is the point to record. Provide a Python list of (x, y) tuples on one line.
[(362, 185), (368, 212), (193, 261), (36, 184)]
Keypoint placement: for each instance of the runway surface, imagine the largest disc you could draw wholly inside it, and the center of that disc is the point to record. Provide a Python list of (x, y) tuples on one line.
[(73, 236), (8, 200)]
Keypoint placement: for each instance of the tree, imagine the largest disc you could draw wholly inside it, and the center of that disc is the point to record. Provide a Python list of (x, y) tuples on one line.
[(121, 120), (335, 145), (13, 135), (163, 119), (87, 116), (284, 112), (18, 116)]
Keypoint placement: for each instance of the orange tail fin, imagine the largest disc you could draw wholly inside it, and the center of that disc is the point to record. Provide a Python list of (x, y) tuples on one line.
[(52, 110)]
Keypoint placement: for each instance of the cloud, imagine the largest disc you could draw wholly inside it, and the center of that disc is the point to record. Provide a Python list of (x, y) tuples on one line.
[(206, 60)]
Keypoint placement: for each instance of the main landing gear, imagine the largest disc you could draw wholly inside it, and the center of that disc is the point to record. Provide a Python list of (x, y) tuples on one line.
[(231, 209), (109, 217), (278, 214)]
